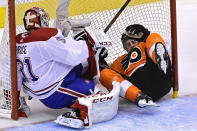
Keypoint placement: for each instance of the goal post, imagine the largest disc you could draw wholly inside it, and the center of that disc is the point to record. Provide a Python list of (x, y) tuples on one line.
[(175, 75), (157, 15), (13, 69), (8, 68)]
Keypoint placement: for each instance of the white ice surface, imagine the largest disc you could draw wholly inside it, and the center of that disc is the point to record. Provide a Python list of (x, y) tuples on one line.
[(172, 115)]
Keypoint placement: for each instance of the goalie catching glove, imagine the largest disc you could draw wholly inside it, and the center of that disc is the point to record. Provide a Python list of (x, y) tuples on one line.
[(144, 100), (91, 109)]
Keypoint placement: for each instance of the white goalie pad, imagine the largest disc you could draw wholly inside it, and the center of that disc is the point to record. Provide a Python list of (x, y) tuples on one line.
[(96, 56), (64, 23), (100, 38), (79, 23), (102, 107)]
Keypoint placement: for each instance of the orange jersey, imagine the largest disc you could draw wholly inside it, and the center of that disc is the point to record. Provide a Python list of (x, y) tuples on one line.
[(127, 64), (138, 55)]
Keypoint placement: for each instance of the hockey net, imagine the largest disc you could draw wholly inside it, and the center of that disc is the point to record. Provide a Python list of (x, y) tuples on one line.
[(153, 14)]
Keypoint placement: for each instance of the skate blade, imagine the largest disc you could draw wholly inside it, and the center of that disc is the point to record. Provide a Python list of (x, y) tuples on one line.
[(153, 104)]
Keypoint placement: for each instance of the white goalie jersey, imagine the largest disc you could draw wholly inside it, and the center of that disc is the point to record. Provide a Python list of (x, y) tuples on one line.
[(44, 58)]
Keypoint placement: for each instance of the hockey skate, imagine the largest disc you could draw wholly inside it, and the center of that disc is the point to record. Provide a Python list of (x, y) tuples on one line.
[(86, 110), (24, 109), (70, 119), (144, 100), (78, 117)]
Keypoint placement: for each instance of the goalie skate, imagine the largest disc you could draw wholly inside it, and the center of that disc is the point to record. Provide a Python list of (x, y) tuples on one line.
[(24, 109), (70, 119)]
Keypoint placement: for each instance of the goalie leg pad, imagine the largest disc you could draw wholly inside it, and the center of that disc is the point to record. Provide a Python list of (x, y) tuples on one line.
[(98, 38), (79, 23), (103, 106), (92, 109)]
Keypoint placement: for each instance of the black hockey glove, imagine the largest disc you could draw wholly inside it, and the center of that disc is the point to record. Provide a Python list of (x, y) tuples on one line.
[(81, 36), (102, 54), (125, 61)]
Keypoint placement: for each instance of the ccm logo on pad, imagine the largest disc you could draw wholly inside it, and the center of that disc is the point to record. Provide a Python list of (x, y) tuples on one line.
[(102, 99), (105, 43)]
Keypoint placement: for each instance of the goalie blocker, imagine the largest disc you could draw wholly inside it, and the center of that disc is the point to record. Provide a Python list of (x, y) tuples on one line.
[(92, 109)]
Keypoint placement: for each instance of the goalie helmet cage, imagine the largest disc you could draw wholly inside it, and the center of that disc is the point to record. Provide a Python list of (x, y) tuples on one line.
[(157, 15)]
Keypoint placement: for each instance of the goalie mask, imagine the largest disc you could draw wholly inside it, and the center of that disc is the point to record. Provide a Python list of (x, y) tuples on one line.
[(134, 34), (35, 18)]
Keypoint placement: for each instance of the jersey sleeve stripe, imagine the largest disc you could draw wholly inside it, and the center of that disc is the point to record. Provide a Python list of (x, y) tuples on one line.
[(70, 92), (43, 91), (124, 87)]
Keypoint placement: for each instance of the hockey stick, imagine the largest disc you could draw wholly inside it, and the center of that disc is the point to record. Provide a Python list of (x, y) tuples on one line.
[(108, 27), (116, 16)]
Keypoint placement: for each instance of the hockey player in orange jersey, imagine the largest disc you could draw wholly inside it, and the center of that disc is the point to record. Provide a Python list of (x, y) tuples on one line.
[(145, 71)]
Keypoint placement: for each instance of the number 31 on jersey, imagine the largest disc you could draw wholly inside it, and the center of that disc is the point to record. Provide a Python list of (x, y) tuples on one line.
[(26, 69)]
